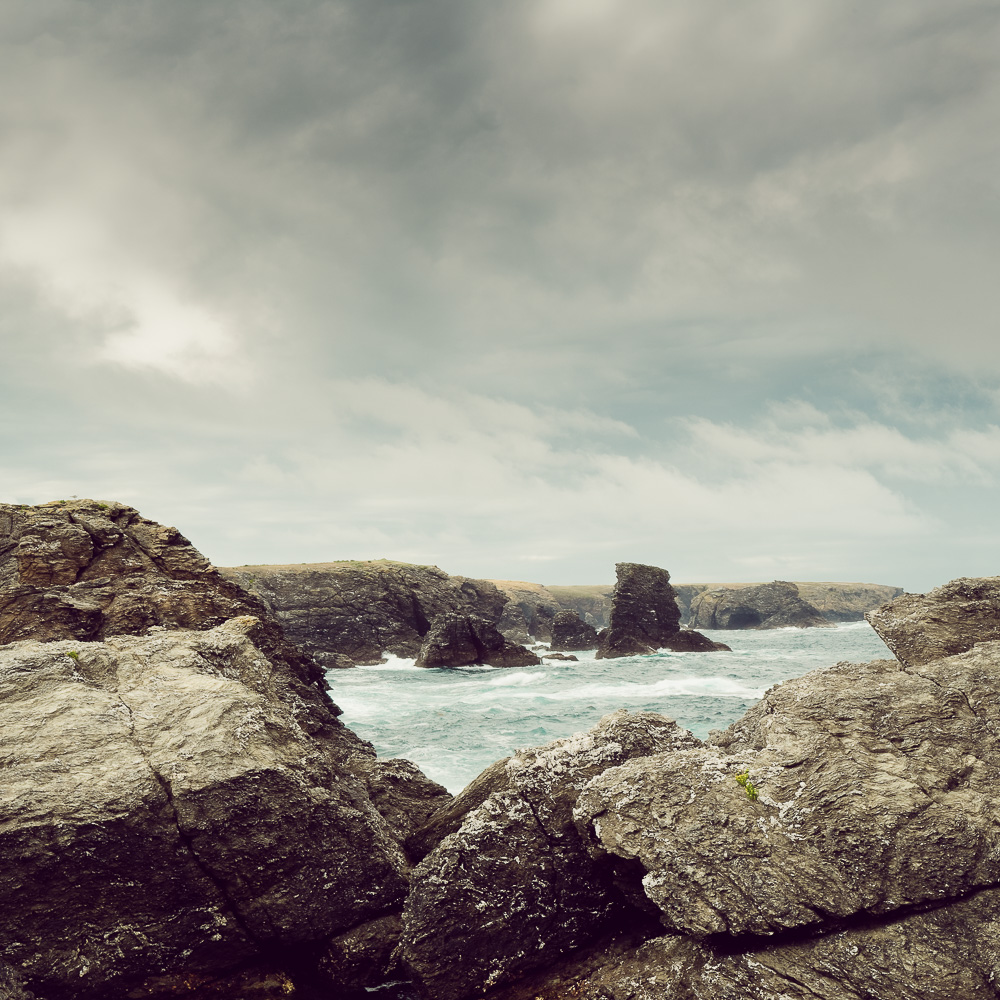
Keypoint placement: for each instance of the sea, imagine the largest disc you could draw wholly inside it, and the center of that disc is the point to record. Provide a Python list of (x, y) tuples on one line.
[(455, 722)]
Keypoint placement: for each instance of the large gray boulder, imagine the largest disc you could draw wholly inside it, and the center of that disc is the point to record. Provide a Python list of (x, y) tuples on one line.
[(768, 605), (950, 619), (463, 640), (170, 807), (644, 616), (514, 886)]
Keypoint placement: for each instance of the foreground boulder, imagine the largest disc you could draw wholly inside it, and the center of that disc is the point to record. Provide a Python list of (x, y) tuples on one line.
[(645, 617), (769, 605), (171, 808), (919, 628), (570, 631), (463, 640), (514, 886)]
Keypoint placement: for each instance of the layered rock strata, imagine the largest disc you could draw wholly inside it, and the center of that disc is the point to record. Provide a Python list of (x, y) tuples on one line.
[(361, 610), (463, 640), (645, 617), (769, 605)]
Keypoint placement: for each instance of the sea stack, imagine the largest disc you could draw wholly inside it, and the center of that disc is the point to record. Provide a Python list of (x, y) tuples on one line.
[(645, 617)]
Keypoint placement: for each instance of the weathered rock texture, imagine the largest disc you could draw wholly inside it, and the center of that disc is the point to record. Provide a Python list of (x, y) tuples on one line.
[(645, 617), (361, 610), (171, 805), (840, 842), (919, 628), (569, 631), (513, 886), (513, 625), (769, 605), (536, 603), (462, 640)]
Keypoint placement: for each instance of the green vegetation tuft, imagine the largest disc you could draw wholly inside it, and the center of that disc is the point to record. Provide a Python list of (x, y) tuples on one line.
[(73, 655), (751, 790)]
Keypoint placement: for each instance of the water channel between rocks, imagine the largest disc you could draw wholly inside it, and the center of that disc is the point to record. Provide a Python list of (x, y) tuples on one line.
[(453, 723)]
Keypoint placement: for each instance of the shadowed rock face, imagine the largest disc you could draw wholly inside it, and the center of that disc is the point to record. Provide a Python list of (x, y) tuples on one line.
[(462, 640), (569, 631), (361, 610), (645, 617), (169, 807), (770, 605), (919, 628), (513, 625)]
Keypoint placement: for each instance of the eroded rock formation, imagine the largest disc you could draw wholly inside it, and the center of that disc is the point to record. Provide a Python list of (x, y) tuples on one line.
[(462, 640), (769, 605), (362, 610), (919, 628), (569, 631), (645, 617)]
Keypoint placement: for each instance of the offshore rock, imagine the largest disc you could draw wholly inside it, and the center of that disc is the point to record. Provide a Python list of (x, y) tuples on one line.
[(950, 619), (537, 605), (570, 631), (462, 640), (645, 617), (513, 886), (360, 610), (513, 625), (769, 605), (173, 806)]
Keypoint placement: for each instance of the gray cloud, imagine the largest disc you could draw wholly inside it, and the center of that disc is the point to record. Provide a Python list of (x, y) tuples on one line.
[(304, 261)]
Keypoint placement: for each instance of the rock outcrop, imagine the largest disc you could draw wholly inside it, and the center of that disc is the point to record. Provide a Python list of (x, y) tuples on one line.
[(839, 842), (462, 640), (769, 605), (919, 628), (645, 617), (361, 610), (569, 631), (536, 603), (513, 625), (514, 886), (170, 806)]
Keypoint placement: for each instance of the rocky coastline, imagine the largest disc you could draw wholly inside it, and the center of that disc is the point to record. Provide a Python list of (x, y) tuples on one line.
[(182, 812)]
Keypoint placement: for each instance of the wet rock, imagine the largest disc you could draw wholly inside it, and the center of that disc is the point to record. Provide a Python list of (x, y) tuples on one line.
[(363, 956), (919, 628), (645, 617), (769, 605), (462, 640), (513, 885), (569, 631), (171, 805)]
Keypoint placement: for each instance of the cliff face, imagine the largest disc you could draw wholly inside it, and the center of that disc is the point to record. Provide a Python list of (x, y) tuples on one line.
[(360, 610), (770, 605), (181, 804), (837, 602)]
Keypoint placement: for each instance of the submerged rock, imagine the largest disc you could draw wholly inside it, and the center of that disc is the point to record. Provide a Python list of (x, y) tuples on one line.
[(769, 605), (645, 617), (950, 619), (462, 640), (570, 631)]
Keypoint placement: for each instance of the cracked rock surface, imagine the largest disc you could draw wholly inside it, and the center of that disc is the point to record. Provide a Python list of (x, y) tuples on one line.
[(513, 886), (168, 804)]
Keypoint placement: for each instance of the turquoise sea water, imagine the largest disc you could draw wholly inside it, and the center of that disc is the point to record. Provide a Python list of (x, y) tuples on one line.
[(453, 723)]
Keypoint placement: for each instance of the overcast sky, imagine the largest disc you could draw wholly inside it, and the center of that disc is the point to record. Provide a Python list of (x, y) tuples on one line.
[(518, 287)]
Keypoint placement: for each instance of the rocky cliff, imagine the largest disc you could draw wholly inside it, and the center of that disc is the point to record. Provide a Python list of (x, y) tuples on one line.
[(182, 811), (769, 605), (360, 610), (839, 842)]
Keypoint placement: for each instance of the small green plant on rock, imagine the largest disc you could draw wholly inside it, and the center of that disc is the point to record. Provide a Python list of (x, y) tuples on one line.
[(73, 655), (751, 790)]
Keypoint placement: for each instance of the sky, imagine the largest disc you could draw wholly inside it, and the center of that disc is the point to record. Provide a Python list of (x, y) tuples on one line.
[(521, 288)]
